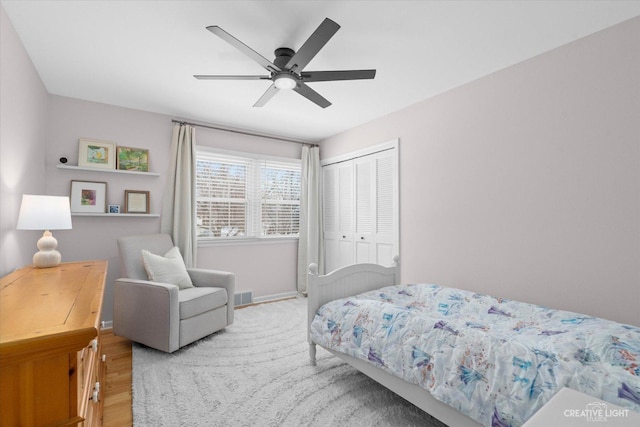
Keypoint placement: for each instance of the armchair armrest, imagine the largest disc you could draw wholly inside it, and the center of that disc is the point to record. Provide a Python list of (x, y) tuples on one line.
[(205, 277), (218, 279), (147, 312)]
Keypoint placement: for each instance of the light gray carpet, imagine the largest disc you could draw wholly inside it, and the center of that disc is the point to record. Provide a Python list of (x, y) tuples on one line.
[(257, 373)]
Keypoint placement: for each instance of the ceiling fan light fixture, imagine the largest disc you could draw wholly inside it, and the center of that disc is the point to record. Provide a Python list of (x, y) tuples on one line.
[(285, 81)]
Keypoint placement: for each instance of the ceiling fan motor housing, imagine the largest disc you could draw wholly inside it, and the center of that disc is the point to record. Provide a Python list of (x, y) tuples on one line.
[(283, 55), (285, 79)]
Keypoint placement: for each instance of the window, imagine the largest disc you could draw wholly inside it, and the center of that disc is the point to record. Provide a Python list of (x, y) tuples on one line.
[(238, 196)]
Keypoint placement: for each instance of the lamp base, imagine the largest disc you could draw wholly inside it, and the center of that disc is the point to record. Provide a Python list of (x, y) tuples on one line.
[(47, 256)]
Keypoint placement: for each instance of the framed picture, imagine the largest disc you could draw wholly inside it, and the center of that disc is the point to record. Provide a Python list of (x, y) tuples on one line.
[(88, 197), (113, 209), (132, 159), (93, 153), (136, 201)]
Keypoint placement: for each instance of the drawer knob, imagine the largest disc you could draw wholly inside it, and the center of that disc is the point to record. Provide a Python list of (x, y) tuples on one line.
[(96, 392), (94, 345)]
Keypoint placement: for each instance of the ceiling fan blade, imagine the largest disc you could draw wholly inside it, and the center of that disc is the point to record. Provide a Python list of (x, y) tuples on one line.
[(311, 95), (243, 48), (312, 46), (209, 77), (325, 76), (266, 96)]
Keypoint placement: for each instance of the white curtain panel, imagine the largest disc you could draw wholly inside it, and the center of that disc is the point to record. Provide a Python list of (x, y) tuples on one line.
[(179, 209), (310, 242)]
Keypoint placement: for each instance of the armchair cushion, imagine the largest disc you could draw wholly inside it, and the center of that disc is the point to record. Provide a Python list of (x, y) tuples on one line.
[(169, 268), (194, 301)]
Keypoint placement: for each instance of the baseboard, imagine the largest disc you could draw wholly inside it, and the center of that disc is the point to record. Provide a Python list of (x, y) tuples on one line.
[(275, 297), (245, 299)]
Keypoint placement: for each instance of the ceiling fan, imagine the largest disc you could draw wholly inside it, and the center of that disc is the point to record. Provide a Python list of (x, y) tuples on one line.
[(286, 71)]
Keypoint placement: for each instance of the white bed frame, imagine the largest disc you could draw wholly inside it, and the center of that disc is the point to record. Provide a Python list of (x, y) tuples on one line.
[(355, 279)]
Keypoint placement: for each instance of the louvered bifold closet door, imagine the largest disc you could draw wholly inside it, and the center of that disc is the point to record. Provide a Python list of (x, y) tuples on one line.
[(364, 242), (360, 199), (338, 209), (386, 209), (345, 254), (330, 216)]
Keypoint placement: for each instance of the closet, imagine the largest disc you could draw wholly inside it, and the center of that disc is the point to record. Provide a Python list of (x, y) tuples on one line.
[(360, 207)]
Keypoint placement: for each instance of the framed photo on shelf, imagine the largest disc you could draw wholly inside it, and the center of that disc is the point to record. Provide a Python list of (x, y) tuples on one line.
[(113, 209), (132, 159), (93, 153), (88, 196), (136, 201)]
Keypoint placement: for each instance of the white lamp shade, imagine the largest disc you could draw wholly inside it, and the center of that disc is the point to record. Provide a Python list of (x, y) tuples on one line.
[(44, 213)]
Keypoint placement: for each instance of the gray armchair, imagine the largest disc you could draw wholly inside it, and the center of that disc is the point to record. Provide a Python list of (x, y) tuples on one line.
[(161, 315)]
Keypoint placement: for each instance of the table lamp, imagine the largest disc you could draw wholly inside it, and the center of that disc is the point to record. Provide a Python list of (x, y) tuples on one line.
[(45, 213)]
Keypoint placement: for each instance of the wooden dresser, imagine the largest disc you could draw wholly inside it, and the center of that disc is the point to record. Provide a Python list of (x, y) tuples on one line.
[(51, 367)]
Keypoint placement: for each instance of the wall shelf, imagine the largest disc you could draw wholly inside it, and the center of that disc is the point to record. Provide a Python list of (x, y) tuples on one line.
[(78, 168), (120, 215)]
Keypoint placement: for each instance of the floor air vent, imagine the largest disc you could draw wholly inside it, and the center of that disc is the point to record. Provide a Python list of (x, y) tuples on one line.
[(243, 298)]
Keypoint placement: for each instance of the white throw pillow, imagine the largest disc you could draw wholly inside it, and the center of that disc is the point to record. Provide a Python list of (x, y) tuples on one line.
[(169, 268)]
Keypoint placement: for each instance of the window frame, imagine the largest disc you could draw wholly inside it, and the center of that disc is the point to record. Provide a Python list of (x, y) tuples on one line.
[(255, 202)]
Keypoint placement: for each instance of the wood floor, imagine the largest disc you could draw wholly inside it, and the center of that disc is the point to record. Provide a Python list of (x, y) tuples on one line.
[(117, 397)]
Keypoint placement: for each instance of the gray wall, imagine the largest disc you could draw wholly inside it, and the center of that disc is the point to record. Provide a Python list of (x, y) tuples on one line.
[(525, 184), (264, 268), (23, 141), (38, 128)]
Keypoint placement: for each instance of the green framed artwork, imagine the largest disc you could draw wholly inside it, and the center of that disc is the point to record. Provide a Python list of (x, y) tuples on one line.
[(132, 159)]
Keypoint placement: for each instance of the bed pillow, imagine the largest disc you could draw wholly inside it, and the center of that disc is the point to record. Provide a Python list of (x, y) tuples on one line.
[(169, 268)]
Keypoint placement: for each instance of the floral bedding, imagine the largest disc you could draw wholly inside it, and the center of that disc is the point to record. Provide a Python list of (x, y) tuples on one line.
[(496, 360)]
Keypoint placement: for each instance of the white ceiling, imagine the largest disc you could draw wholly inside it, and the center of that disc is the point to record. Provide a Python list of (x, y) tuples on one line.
[(143, 54)]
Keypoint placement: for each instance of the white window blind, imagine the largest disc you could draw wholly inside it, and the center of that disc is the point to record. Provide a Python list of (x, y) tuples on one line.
[(239, 196), (280, 192)]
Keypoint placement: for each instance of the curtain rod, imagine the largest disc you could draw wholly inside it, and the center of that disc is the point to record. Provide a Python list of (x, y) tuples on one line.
[(182, 122)]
